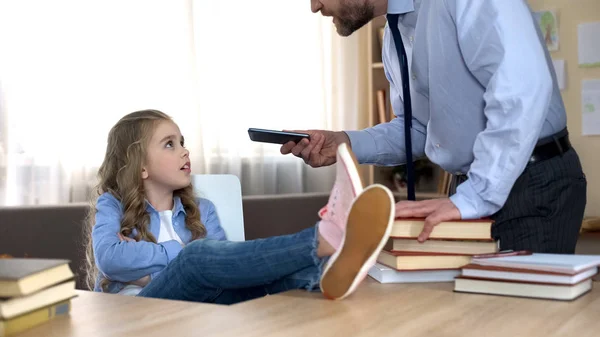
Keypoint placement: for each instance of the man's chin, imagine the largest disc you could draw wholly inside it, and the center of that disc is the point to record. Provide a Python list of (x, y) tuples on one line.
[(343, 30)]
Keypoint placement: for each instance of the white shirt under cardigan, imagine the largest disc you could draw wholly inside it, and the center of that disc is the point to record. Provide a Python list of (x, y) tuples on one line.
[(483, 92)]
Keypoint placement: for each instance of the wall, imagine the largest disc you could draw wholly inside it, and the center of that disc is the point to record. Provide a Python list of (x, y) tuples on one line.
[(569, 14)]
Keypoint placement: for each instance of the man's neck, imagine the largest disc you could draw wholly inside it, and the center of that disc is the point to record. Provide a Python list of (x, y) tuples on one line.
[(160, 199), (380, 7)]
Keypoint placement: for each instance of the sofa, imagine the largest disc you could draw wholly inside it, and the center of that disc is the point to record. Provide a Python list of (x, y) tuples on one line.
[(55, 231)]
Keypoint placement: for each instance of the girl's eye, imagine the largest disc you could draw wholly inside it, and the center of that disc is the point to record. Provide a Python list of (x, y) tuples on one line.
[(182, 143), (169, 144)]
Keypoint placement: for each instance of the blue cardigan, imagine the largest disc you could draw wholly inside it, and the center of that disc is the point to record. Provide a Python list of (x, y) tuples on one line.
[(122, 261)]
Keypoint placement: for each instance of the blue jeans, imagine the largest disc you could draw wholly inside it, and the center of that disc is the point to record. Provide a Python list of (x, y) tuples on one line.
[(226, 272)]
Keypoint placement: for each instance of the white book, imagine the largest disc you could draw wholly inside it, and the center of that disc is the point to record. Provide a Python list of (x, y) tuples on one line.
[(385, 274), (559, 263)]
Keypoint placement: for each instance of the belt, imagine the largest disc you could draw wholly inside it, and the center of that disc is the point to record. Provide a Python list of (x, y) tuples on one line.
[(551, 146), (546, 148)]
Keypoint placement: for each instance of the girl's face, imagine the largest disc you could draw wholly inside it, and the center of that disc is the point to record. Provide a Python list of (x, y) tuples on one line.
[(167, 166)]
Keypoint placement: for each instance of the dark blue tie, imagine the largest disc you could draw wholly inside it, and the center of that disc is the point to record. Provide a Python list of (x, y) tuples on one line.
[(410, 167)]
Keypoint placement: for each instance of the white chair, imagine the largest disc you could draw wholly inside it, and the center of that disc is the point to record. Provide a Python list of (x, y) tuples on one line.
[(225, 192)]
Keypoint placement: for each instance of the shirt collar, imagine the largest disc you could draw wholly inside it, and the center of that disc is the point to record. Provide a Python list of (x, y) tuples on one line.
[(400, 6), (177, 206)]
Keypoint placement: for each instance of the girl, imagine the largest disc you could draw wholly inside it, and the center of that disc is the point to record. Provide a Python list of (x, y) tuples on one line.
[(149, 236)]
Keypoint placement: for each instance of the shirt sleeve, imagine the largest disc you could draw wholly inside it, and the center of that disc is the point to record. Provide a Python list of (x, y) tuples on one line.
[(210, 219), (501, 48), (125, 261), (383, 144)]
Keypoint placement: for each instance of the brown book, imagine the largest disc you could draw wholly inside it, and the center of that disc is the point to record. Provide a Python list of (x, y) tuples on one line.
[(443, 182), (422, 261), (522, 289), (22, 276), (445, 246), (480, 229)]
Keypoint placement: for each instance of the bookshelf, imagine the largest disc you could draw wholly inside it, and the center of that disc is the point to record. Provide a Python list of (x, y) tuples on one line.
[(430, 186)]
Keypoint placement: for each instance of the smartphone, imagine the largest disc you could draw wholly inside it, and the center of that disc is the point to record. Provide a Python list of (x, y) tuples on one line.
[(274, 136)]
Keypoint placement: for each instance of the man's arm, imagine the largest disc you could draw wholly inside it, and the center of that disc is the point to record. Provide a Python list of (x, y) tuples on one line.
[(501, 48), (383, 144)]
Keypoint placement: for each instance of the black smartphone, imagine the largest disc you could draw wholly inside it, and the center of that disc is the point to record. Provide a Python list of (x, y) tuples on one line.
[(274, 136)]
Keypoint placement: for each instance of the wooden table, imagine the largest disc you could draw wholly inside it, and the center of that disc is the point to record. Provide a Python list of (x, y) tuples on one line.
[(425, 309)]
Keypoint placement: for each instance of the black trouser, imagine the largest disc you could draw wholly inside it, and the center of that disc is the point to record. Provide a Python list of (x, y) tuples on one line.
[(544, 210)]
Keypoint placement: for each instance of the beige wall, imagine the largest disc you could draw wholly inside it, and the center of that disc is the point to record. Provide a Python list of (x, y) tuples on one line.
[(569, 14)]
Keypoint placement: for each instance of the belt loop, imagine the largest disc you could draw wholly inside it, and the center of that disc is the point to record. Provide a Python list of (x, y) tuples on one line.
[(557, 142)]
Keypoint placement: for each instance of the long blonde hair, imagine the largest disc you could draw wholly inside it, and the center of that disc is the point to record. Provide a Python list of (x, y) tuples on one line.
[(120, 175)]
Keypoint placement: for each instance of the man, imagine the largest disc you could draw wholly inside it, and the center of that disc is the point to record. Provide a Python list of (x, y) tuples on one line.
[(485, 107)]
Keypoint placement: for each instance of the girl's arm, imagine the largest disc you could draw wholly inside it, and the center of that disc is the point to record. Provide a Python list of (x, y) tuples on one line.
[(125, 261), (210, 219)]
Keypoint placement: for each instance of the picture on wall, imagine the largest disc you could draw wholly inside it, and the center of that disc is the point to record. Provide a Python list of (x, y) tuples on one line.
[(589, 44), (549, 26)]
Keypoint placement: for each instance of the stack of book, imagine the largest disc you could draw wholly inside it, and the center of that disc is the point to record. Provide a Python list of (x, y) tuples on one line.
[(33, 291), (545, 276), (450, 246)]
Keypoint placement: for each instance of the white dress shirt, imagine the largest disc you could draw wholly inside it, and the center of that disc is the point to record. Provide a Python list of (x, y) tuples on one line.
[(483, 92)]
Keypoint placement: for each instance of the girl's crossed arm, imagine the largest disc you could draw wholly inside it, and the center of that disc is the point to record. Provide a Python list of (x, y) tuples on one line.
[(126, 261)]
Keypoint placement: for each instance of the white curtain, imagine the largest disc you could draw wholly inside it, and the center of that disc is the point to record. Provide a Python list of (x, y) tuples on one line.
[(70, 69)]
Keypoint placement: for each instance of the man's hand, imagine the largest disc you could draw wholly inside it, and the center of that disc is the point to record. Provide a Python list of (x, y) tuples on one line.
[(320, 150), (434, 211)]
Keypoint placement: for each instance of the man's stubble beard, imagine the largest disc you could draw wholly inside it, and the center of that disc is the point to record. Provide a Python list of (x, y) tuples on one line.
[(353, 16)]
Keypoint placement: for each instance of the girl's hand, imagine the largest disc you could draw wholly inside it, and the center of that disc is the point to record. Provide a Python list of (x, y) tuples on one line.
[(141, 282), (125, 238)]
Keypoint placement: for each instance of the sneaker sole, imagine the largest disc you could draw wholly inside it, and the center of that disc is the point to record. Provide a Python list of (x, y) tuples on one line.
[(367, 230)]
